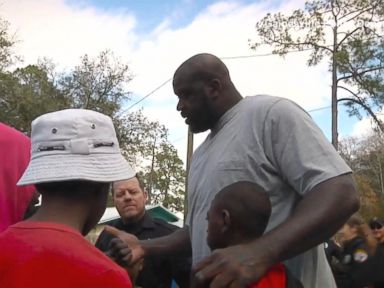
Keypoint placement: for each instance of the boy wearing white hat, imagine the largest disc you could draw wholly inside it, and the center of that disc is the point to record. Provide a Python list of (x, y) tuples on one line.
[(75, 156)]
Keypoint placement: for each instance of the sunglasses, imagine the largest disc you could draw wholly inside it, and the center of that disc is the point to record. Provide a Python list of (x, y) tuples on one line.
[(376, 226)]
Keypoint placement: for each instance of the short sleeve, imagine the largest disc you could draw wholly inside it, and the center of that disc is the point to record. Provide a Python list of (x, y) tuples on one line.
[(298, 149)]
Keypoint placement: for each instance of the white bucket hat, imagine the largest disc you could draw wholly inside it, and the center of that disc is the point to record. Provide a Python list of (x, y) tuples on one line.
[(75, 144)]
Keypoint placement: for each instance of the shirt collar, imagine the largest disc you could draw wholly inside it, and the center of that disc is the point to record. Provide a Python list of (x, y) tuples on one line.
[(224, 119), (146, 222)]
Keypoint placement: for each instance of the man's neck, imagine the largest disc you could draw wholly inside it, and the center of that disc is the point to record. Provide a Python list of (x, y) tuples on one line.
[(59, 214), (133, 223)]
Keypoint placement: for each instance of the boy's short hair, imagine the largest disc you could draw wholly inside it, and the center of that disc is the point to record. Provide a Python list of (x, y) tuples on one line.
[(249, 206), (72, 189)]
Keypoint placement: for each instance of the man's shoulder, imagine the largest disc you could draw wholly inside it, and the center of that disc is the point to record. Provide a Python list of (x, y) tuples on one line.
[(259, 106), (114, 222), (265, 102), (164, 225), (263, 99)]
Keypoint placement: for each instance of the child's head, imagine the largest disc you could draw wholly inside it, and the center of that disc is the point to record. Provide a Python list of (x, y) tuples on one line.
[(238, 213)]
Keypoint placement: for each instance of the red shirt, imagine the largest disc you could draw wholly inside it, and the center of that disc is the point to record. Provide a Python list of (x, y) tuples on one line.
[(14, 158), (275, 278), (46, 255)]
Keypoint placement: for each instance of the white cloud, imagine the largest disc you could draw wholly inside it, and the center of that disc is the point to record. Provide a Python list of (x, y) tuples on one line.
[(364, 127), (52, 28)]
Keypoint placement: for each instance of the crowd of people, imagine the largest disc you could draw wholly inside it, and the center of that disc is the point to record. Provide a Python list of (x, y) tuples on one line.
[(356, 254), (266, 189)]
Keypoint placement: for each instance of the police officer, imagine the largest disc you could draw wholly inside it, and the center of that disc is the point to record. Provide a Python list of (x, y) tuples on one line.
[(377, 226), (359, 266), (129, 197)]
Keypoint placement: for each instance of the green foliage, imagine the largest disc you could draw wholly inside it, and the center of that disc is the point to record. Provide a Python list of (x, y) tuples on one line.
[(97, 84), (166, 177), (26, 94), (7, 41), (347, 33), (146, 145), (366, 158)]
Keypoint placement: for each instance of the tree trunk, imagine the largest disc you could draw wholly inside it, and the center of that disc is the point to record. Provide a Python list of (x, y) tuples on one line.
[(334, 91)]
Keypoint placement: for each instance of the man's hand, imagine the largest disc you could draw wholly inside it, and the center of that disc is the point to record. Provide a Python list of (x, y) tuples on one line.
[(234, 267), (125, 249), (119, 252)]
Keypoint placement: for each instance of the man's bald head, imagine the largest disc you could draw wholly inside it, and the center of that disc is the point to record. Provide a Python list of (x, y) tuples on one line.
[(205, 91), (202, 67)]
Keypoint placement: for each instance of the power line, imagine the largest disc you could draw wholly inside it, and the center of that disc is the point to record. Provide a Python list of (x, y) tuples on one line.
[(320, 108), (146, 96), (262, 55), (178, 139), (222, 58)]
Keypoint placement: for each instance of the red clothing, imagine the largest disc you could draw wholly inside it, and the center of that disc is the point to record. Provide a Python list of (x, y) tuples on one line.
[(275, 278), (14, 158), (46, 255)]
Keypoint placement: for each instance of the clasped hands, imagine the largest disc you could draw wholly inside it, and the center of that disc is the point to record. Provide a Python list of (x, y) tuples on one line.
[(235, 267)]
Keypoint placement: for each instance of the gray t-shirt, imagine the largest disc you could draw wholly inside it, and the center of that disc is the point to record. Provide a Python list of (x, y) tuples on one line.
[(273, 142)]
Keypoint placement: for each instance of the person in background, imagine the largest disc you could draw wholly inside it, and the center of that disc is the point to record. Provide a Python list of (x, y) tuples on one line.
[(75, 157), (233, 220), (130, 197), (334, 252), (263, 139), (359, 266), (14, 157), (377, 227)]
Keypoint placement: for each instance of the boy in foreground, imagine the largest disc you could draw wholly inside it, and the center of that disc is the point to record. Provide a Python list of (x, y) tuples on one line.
[(75, 157), (239, 213)]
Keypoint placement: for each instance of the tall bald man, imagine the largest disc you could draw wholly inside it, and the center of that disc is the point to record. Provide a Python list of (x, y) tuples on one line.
[(270, 141)]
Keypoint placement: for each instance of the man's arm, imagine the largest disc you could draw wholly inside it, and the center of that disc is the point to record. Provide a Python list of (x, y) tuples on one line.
[(318, 216), (320, 213), (176, 243)]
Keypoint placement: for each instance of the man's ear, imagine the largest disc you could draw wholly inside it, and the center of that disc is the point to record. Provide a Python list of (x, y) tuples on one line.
[(213, 88), (226, 218), (145, 196)]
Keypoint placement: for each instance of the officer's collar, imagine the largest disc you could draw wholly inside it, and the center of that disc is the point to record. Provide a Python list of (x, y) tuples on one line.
[(146, 222), (356, 241)]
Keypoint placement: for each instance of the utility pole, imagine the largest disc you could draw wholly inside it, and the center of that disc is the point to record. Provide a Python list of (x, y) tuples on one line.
[(151, 173), (334, 92), (189, 156)]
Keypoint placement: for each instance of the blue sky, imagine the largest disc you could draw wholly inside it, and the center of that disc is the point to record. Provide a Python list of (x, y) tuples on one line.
[(154, 37), (152, 12)]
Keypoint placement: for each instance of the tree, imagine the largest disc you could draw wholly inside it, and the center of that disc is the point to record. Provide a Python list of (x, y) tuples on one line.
[(166, 176), (7, 42), (146, 146), (369, 199), (98, 84), (26, 94), (136, 134), (365, 157), (346, 32)]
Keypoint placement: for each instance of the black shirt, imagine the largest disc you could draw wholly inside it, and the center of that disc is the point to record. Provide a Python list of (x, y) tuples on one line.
[(157, 272), (358, 268)]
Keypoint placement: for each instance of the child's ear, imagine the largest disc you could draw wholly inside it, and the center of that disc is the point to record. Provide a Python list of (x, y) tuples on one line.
[(226, 220)]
